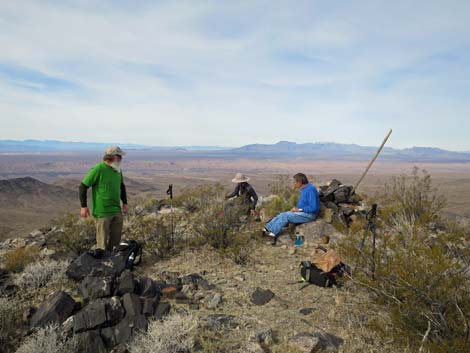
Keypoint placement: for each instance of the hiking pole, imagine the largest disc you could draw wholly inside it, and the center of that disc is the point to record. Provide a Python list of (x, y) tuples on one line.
[(372, 161), (170, 193), (371, 227)]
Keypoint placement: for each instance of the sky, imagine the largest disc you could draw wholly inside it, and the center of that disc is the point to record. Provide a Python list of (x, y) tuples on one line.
[(230, 73)]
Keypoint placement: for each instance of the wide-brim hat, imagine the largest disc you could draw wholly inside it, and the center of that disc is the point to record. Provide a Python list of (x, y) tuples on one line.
[(114, 151), (240, 178)]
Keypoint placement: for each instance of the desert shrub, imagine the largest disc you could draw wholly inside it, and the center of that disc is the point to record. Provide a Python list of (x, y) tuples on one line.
[(17, 259), (49, 339), (175, 334), (413, 197), (10, 318), (156, 233), (76, 234), (42, 273), (197, 198), (420, 282), (219, 226), (287, 196)]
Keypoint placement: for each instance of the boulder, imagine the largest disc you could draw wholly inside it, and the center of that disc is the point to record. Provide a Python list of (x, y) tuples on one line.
[(342, 194), (126, 283), (147, 287), (149, 306), (56, 309), (90, 342), (261, 296), (110, 265), (315, 342), (132, 304), (100, 313), (162, 310), (123, 331), (305, 342), (96, 287)]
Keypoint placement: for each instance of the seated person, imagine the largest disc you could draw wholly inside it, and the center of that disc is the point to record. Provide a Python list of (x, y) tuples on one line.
[(307, 208), (244, 192)]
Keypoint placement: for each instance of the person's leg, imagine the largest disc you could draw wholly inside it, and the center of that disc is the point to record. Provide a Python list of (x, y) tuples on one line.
[(115, 231), (103, 226), (281, 220)]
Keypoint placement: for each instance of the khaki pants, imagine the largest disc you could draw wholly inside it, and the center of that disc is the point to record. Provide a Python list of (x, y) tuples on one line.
[(108, 232)]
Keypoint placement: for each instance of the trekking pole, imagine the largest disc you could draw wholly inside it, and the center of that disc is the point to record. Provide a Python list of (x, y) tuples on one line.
[(371, 227), (372, 161), (170, 193)]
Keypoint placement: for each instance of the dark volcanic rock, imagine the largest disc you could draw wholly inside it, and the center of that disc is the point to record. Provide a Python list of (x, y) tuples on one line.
[(162, 310), (147, 287), (110, 265), (57, 308), (261, 296), (123, 331), (126, 283), (90, 342), (149, 306), (132, 304), (342, 194), (96, 287), (102, 312)]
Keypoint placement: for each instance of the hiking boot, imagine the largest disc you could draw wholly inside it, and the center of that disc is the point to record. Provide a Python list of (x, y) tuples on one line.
[(97, 253)]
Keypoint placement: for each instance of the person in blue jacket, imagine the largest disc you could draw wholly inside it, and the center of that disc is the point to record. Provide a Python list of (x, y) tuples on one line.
[(307, 208)]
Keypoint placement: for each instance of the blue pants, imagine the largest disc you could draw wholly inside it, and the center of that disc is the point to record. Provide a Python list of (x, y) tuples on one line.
[(282, 219)]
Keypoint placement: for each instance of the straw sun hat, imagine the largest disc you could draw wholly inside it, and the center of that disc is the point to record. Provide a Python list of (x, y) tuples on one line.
[(240, 178)]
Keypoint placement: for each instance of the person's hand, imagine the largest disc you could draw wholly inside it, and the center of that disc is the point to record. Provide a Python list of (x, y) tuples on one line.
[(125, 208), (295, 209), (84, 212)]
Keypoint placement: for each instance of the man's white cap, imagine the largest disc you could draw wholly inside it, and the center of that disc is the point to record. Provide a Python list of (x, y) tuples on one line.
[(114, 151)]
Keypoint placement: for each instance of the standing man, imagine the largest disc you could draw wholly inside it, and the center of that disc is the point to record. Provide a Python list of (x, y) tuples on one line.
[(108, 190), (307, 208)]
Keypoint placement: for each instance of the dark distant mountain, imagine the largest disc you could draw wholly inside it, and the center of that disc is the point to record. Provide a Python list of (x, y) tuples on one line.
[(330, 150), (27, 203)]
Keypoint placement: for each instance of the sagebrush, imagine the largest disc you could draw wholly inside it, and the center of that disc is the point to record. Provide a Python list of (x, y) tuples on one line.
[(175, 334)]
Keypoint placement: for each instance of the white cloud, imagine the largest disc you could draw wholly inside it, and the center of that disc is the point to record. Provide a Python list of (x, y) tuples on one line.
[(229, 73)]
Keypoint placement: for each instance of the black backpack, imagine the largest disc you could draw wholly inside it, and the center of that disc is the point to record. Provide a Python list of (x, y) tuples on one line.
[(312, 274), (132, 251)]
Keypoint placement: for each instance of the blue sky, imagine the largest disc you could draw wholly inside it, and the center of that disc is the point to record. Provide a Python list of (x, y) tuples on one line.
[(231, 73)]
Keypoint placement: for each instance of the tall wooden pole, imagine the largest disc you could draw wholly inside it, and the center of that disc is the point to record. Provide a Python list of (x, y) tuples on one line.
[(372, 160)]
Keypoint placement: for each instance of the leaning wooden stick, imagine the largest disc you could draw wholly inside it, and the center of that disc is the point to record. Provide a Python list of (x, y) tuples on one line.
[(372, 160)]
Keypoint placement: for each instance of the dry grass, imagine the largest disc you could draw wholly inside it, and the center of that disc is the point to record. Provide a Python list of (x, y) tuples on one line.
[(41, 274), (16, 260), (49, 339), (175, 334)]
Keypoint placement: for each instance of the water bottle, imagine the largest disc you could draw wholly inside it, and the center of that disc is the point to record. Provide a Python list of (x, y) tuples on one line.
[(298, 239), (130, 260)]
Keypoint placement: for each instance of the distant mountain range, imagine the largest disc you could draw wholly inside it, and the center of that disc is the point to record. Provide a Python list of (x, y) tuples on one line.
[(331, 150), (282, 149)]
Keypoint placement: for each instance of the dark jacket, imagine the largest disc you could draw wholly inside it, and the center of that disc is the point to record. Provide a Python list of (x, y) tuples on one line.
[(247, 193)]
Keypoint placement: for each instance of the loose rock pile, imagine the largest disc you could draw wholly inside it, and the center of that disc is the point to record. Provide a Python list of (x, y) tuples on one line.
[(113, 305), (339, 204)]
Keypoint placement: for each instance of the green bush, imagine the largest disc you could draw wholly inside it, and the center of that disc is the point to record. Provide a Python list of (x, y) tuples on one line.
[(155, 232), (219, 225), (76, 234), (287, 196), (196, 198), (413, 197), (419, 277)]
